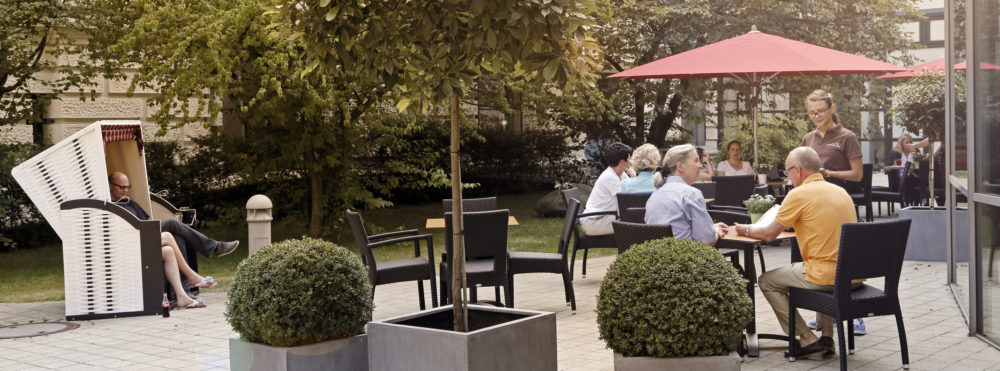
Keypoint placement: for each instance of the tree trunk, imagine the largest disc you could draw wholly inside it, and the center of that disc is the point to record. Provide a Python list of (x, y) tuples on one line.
[(458, 250), (931, 201), (315, 216), (231, 124), (640, 115), (663, 122)]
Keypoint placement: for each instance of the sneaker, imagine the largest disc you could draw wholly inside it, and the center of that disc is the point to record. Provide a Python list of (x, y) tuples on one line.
[(859, 327), (812, 325), (225, 248)]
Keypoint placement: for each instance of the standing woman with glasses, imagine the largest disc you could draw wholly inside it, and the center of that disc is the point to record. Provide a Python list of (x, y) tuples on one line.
[(839, 152), (838, 148)]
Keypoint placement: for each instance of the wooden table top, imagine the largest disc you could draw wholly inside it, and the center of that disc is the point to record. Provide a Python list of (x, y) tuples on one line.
[(438, 223), (732, 236)]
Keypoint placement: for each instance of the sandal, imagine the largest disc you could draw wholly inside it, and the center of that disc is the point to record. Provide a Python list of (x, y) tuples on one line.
[(206, 282), (193, 305)]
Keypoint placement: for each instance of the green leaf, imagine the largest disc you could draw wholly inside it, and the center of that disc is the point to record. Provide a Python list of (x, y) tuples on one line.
[(403, 104), (550, 69)]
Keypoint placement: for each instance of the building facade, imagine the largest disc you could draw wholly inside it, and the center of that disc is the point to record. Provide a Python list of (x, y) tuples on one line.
[(972, 180)]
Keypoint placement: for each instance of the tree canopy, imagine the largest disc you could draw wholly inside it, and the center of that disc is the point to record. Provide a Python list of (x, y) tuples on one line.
[(634, 32)]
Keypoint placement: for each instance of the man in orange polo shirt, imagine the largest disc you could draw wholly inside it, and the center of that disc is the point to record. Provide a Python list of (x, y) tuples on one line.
[(816, 209)]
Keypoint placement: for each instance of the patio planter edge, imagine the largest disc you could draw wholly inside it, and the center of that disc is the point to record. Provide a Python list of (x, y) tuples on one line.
[(340, 354), (730, 361)]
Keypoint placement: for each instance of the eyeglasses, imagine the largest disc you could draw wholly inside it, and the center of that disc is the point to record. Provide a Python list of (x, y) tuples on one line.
[(784, 173), (122, 187), (819, 113)]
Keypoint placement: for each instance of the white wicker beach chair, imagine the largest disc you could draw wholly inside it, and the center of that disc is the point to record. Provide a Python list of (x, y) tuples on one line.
[(112, 261)]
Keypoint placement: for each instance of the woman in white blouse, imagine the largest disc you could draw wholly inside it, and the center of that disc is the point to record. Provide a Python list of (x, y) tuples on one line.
[(733, 165)]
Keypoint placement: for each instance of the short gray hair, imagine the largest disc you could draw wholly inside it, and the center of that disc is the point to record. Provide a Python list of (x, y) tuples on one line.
[(806, 158), (646, 157), (674, 156)]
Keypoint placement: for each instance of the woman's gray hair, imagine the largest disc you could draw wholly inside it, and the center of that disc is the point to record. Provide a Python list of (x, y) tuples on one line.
[(674, 156), (645, 158)]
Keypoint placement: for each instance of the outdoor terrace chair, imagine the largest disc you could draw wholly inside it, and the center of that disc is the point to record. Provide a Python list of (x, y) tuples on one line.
[(733, 190), (862, 196), (730, 218), (634, 215), (889, 195), (581, 240), (707, 189), (471, 204), (867, 250), (111, 260), (539, 262), (627, 200), (485, 234), (628, 234), (416, 268)]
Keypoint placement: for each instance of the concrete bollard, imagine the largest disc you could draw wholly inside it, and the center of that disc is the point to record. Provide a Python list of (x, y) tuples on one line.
[(259, 222)]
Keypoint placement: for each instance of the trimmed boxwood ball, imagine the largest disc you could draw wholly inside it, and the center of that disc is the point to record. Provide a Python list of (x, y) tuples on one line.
[(299, 292), (672, 298)]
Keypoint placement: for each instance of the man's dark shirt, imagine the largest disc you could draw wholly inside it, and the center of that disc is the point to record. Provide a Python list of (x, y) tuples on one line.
[(133, 208)]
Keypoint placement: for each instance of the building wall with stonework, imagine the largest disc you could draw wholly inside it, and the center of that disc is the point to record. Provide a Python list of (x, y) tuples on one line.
[(69, 113)]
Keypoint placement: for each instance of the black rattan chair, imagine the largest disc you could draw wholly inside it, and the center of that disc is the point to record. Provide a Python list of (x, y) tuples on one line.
[(909, 193), (867, 250), (583, 241), (539, 262), (415, 268), (707, 189), (471, 204), (634, 215), (627, 200), (889, 195), (485, 251), (628, 234), (733, 190), (862, 196), (731, 218)]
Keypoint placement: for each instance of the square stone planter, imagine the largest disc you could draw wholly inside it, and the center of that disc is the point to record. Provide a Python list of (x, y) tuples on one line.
[(928, 241), (498, 339), (730, 361), (341, 354)]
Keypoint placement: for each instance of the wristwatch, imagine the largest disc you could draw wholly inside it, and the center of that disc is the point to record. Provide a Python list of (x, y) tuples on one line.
[(747, 233)]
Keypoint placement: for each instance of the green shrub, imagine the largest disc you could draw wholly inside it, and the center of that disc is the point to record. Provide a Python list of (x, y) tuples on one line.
[(672, 298), (299, 292)]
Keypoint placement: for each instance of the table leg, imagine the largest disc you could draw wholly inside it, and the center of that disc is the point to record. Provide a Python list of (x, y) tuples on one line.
[(750, 269)]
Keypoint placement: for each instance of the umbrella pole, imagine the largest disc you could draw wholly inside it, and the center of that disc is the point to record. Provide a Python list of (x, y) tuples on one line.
[(459, 302), (754, 97)]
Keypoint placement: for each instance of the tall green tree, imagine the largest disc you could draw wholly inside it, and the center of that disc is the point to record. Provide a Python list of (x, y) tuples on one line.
[(635, 32), (228, 60), (32, 37), (437, 49)]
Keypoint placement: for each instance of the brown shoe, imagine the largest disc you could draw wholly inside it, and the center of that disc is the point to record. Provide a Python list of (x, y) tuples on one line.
[(803, 352)]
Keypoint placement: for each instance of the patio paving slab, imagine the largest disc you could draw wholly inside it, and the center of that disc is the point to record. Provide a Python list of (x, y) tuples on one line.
[(198, 338)]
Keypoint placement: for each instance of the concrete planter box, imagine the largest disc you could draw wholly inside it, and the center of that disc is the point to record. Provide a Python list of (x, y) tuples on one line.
[(730, 361), (928, 240), (499, 339), (341, 354)]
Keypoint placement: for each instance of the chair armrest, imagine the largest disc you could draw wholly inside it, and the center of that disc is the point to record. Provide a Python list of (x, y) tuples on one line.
[(109, 207), (595, 213), (393, 234), (401, 240)]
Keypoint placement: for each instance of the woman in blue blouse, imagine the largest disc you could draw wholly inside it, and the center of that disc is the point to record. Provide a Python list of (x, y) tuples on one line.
[(677, 203), (644, 160)]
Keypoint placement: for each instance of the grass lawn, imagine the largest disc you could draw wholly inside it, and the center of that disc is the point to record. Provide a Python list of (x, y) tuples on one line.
[(37, 274)]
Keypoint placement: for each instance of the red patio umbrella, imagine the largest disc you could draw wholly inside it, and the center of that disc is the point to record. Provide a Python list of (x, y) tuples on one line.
[(755, 58), (935, 65)]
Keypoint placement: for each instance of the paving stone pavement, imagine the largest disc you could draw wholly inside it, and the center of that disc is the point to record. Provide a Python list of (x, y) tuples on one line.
[(197, 339)]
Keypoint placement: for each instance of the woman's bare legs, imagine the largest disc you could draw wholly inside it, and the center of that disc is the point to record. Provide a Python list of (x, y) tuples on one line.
[(167, 239), (174, 277)]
